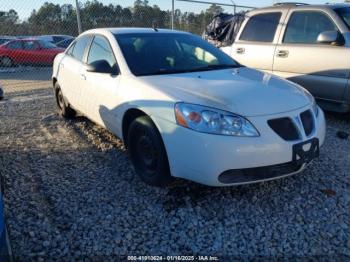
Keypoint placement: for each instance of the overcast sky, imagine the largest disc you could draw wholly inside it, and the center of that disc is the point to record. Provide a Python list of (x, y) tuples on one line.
[(25, 7)]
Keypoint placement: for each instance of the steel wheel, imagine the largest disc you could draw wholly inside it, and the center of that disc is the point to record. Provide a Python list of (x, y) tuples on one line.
[(147, 152), (6, 61)]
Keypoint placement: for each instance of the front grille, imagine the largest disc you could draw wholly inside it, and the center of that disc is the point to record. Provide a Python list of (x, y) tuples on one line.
[(308, 122), (285, 128), (258, 173)]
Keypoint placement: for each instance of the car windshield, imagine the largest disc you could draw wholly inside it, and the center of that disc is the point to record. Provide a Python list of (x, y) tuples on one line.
[(170, 53), (344, 14), (46, 45)]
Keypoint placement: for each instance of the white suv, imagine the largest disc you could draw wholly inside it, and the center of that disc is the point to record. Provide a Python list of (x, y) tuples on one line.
[(186, 109), (307, 44)]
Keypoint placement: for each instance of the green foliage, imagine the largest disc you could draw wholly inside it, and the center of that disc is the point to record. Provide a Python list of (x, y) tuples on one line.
[(61, 19)]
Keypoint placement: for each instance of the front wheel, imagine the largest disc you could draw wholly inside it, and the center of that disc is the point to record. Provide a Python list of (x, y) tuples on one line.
[(63, 107), (148, 153), (6, 61)]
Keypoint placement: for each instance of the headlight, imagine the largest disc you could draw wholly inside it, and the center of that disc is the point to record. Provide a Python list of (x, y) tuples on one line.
[(213, 121)]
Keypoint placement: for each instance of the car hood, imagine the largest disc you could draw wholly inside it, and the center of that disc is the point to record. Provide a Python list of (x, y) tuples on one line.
[(243, 91)]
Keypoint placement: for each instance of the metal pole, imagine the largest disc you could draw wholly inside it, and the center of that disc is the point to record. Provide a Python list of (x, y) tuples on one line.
[(234, 9), (172, 13), (80, 30)]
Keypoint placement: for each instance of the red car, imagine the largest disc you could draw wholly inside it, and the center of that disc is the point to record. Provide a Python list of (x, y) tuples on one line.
[(28, 51)]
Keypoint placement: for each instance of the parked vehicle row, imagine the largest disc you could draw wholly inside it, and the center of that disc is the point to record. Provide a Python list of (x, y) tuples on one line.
[(36, 50), (54, 39), (186, 109), (307, 44), (28, 51)]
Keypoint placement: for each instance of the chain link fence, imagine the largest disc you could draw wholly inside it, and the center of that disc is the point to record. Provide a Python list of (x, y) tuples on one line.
[(56, 24), (51, 18)]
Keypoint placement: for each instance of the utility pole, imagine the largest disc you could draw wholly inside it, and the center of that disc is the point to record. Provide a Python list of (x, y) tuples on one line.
[(172, 13), (80, 30)]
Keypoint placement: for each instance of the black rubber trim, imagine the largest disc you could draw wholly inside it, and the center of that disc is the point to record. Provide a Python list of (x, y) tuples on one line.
[(258, 173)]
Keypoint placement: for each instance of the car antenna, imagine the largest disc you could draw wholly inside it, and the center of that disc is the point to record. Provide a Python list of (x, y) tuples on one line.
[(154, 26)]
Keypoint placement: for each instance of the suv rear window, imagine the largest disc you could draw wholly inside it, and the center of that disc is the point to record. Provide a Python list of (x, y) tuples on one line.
[(261, 27)]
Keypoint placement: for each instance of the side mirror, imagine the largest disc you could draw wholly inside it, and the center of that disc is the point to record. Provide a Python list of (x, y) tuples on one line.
[(331, 38), (100, 66)]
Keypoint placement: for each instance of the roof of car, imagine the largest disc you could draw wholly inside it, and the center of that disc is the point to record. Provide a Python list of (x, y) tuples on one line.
[(133, 30), (284, 6), (26, 39)]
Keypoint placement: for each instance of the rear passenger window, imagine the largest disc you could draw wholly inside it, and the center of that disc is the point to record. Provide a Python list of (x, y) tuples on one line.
[(70, 49), (305, 26), (261, 27), (15, 45), (79, 47)]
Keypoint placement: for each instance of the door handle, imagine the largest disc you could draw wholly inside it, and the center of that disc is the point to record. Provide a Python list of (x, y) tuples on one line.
[(82, 76), (282, 53), (240, 50)]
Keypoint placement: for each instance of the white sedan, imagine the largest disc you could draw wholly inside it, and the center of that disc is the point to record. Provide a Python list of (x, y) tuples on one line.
[(185, 109)]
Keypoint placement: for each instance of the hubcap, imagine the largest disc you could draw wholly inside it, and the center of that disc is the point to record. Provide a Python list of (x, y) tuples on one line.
[(147, 153), (6, 61)]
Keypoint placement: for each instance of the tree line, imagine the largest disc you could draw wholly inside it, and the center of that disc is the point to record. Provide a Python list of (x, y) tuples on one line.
[(61, 19)]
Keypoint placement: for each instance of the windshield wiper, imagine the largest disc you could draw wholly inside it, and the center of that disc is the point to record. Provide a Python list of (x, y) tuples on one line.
[(166, 71), (214, 67), (163, 71)]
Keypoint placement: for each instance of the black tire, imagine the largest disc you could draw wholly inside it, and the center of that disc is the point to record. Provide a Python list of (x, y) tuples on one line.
[(64, 108), (1, 94), (147, 152), (6, 61)]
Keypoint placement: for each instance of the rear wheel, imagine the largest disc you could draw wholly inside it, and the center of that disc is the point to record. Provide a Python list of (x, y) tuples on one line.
[(148, 153), (63, 106), (6, 61)]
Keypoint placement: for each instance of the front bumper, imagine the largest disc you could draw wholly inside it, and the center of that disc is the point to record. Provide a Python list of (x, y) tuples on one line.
[(204, 158)]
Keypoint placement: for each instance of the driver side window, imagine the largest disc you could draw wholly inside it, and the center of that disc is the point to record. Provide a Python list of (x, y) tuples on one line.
[(30, 45), (101, 50), (305, 26)]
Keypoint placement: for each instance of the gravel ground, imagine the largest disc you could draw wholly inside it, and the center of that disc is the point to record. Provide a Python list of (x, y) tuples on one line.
[(70, 192)]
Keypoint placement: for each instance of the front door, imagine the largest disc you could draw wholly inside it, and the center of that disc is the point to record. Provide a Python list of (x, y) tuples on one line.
[(323, 69), (100, 94)]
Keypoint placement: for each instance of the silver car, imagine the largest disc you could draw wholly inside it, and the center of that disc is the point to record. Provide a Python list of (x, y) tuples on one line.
[(307, 44)]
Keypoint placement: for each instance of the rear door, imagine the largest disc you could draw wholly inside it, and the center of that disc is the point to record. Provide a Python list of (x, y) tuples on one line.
[(70, 71), (257, 40), (323, 69)]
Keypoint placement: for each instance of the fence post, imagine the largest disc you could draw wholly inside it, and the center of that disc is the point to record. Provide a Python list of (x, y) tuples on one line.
[(80, 30), (172, 13)]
